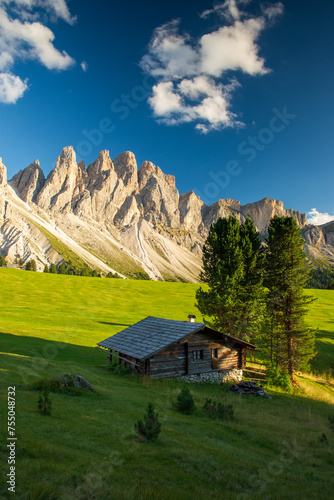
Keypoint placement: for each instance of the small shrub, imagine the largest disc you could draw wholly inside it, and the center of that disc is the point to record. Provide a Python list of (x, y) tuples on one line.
[(222, 411), (277, 377), (323, 439), (122, 369), (2, 261), (44, 384), (44, 404), (331, 422), (185, 402), (149, 428)]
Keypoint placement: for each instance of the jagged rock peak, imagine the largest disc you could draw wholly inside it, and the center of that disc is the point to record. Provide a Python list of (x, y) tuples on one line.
[(68, 154), (101, 164), (190, 208), (66, 180), (148, 169), (3, 174), (262, 211), (232, 204), (126, 168), (190, 195), (29, 182)]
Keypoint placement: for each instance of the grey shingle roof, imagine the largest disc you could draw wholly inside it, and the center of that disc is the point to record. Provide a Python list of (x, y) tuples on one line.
[(149, 336)]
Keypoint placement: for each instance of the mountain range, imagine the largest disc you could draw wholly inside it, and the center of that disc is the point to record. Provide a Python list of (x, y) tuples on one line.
[(116, 218)]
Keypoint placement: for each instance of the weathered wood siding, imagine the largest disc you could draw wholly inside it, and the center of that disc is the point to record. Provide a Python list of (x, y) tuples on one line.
[(172, 360), (228, 356), (140, 366), (169, 362)]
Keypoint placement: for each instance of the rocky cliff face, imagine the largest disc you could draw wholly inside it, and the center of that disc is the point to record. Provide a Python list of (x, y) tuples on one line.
[(3, 174), (29, 182), (130, 220)]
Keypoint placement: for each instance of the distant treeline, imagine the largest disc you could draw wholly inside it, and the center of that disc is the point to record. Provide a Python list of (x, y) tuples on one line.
[(69, 268), (322, 277)]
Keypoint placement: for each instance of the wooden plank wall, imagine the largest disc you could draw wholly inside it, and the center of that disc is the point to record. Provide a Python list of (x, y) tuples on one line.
[(227, 356), (169, 362), (172, 361)]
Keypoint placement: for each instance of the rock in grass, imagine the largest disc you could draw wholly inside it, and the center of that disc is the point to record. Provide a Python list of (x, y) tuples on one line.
[(69, 380), (250, 388)]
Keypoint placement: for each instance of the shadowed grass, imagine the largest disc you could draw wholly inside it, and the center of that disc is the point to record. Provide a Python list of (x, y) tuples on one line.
[(87, 448)]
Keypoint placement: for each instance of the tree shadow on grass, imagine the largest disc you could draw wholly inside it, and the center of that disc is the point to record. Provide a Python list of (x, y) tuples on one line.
[(48, 350)]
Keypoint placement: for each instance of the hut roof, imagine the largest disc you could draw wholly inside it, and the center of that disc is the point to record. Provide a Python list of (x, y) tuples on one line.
[(151, 335)]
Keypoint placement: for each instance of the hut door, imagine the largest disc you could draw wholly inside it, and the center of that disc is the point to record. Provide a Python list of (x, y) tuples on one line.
[(215, 359)]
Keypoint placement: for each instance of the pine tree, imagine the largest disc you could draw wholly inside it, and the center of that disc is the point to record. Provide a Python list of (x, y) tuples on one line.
[(222, 272), (232, 269), (149, 428), (53, 269), (46, 269), (62, 269), (252, 292), (290, 342)]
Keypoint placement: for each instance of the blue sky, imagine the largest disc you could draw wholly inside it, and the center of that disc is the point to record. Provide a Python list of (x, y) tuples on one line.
[(234, 98)]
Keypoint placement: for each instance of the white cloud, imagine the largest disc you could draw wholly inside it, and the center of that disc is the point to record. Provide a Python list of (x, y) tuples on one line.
[(24, 37), (12, 88), (190, 72), (6, 60), (229, 10), (164, 100), (193, 99), (272, 11), (233, 48), (317, 218), (170, 54), (84, 66), (57, 9)]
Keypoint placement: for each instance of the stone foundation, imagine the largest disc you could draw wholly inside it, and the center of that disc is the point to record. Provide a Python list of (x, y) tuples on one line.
[(234, 375)]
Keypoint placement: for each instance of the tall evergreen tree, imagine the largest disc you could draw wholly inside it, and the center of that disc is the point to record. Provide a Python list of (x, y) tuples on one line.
[(290, 342), (252, 291), (232, 264)]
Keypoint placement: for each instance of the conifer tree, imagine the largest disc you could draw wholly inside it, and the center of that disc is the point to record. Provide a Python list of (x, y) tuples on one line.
[(252, 291), (291, 342), (232, 269), (53, 269), (149, 428)]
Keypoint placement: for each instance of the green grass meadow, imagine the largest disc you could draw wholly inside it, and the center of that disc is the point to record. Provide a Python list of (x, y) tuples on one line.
[(87, 448)]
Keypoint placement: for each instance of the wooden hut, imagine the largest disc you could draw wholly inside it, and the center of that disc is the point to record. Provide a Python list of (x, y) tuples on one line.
[(166, 348)]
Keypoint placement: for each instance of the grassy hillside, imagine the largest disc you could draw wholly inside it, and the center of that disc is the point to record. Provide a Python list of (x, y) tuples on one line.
[(80, 310), (88, 449), (321, 318)]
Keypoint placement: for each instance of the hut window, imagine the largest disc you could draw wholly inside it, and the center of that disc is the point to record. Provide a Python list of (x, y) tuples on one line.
[(198, 354), (215, 353)]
